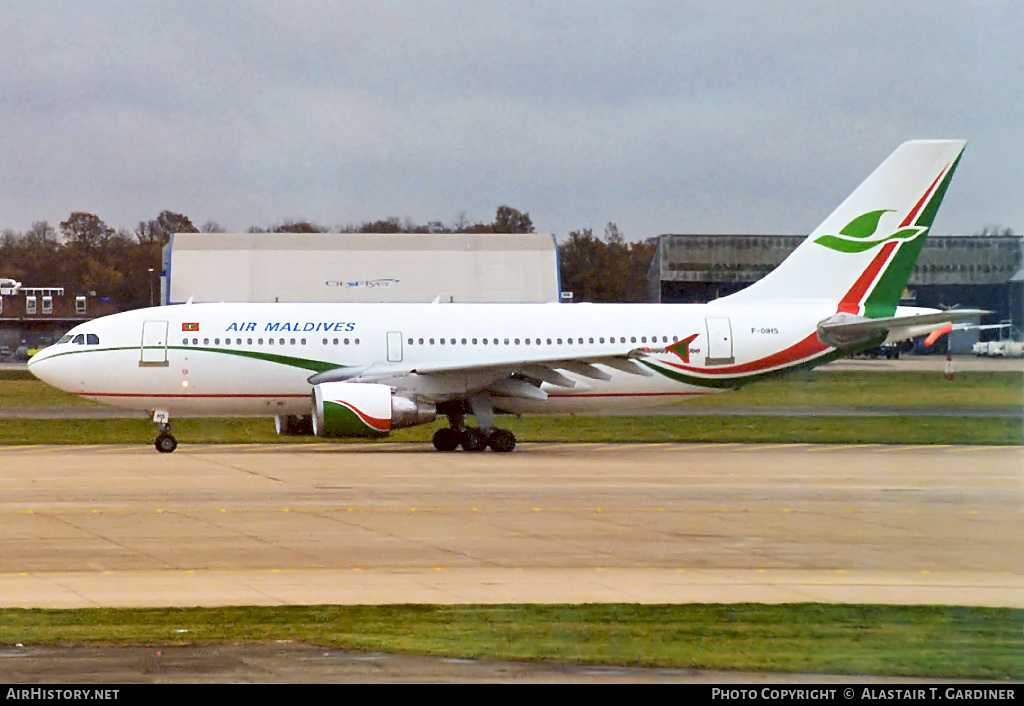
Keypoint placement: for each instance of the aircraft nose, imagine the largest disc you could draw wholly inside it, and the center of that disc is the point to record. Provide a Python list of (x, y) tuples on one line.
[(45, 367), (36, 364)]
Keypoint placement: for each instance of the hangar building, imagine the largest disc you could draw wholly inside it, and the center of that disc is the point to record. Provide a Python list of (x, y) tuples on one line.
[(359, 267), (983, 272), (37, 316)]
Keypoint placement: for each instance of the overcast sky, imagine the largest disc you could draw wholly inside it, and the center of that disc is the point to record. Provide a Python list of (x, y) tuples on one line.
[(661, 115)]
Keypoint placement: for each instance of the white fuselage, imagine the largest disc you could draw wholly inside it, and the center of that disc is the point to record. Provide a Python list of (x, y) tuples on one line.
[(255, 359)]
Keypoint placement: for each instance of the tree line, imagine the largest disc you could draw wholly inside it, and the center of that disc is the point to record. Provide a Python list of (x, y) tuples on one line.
[(86, 256)]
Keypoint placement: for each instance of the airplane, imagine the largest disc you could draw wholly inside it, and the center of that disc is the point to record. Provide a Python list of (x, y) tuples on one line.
[(363, 370)]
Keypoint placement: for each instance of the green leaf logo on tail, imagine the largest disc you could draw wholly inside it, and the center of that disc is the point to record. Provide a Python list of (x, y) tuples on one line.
[(857, 235)]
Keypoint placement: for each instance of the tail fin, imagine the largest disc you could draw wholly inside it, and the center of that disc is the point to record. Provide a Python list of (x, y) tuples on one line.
[(861, 257)]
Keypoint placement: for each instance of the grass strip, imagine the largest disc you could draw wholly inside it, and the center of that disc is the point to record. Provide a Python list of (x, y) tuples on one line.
[(919, 641), (910, 388), (744, 429)]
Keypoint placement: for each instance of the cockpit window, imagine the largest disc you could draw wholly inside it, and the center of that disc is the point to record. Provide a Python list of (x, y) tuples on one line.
[(82, 339)]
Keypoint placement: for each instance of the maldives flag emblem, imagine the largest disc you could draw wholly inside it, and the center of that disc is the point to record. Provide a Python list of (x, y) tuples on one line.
[(190, 327)]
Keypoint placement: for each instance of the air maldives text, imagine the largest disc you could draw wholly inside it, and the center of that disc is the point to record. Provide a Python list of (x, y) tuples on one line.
[(297, 326)]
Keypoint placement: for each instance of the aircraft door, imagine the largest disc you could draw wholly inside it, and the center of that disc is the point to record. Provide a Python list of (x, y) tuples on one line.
[(719, 341), (394, 346), (153, 352)]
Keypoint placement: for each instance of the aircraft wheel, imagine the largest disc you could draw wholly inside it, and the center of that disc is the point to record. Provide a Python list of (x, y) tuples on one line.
[(446, 439), (501, 440), (165, 443), (473, 440)]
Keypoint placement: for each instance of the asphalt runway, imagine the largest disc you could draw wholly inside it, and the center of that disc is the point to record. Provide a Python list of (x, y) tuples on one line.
[(379, 523)]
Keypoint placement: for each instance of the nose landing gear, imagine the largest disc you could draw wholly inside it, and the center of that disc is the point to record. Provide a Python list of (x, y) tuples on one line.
[(165, 443)]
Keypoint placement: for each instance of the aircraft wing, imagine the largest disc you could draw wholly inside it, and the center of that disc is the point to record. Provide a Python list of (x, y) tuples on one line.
[(519, 377), (847, 330)]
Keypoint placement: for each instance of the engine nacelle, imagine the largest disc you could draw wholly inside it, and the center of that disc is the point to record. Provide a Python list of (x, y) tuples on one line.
[(364, 409)]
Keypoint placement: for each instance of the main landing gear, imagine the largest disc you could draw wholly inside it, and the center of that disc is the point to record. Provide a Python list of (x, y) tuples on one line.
[(165, 443), (474, 439)]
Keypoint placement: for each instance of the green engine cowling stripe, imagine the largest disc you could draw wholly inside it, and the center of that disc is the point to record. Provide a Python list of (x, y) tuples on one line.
[(342, 420)]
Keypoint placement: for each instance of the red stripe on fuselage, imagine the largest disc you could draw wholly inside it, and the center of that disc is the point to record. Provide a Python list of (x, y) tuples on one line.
[(186, 396), (794, 354), (633, 394)]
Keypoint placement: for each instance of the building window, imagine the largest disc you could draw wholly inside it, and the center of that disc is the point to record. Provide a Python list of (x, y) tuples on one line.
[(30, 305), (79, 305), (47, 305)]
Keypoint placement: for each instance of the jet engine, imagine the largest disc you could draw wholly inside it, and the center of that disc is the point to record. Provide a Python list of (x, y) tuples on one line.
[(365, 409)]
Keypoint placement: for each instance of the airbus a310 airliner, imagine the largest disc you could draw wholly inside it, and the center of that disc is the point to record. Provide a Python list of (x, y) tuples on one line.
[(361, 370)]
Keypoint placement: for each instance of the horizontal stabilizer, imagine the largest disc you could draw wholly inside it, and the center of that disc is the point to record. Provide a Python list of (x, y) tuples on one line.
[(848, 330)]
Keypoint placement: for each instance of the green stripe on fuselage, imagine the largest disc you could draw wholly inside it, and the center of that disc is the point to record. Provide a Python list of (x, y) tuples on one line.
[(734, 381), (317, 366)]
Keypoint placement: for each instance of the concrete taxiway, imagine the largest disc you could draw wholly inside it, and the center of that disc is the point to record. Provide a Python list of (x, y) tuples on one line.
[(396, 523)]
